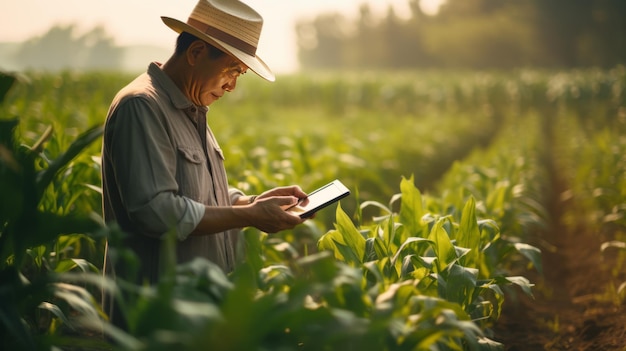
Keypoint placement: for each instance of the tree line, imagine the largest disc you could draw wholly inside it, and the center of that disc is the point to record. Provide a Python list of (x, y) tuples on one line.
[(63, 47), (472, 34)]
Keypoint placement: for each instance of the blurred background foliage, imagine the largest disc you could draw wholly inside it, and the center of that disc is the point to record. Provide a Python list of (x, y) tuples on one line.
[(463, 34), (474, 34)]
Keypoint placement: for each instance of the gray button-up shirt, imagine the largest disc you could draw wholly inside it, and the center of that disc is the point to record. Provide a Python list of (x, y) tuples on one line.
[(155, 173)]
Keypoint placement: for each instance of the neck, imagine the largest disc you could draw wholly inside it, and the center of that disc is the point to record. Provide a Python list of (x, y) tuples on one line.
[(175, 68)]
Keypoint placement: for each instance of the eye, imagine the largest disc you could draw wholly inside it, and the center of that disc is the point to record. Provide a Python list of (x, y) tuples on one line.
[(234, 72), (231, 73)]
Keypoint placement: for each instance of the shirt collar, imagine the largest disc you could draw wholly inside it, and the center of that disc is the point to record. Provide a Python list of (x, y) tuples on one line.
[(178, 99)]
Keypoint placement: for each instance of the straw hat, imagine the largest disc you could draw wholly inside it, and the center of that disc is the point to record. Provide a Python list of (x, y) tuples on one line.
[(230, 25)]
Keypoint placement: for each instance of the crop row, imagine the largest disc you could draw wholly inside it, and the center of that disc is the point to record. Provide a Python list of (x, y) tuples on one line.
[(430, 268)]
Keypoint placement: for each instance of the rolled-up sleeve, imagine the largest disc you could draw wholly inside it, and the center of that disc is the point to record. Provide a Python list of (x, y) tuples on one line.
[(190, 220)]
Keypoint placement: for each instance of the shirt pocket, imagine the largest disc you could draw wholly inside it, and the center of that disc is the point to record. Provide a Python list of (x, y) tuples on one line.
[(193, 155), (192, 175)]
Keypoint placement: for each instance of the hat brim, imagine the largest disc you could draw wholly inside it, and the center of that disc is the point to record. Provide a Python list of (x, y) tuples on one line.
[(253, 62)]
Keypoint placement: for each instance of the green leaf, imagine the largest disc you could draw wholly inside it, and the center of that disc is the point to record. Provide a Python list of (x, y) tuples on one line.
[(412, 208), (123, 340), (376, 204), (370, 250), (373, 268), (444, 250), (276, 276), (532, 253), (461, 282), (468, 235), (43, 227), (16, 296), (328, 243), (408, 242), (499, 197), (7, 132), (78, 298), (321, 266), (417, 266), (69, 264), (45, 176), (253, 252), (381, 249), (55, 310), (489, 232), (349, 256), (6, 82), (493, 294), (520, 281), (204, 276), (395, 298), (346, 241)]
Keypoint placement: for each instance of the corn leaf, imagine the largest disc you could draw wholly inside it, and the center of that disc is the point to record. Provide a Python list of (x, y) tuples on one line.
[(444, 250), (412, 208), (468, 235), (531, 253), (85, 139), (461, 283), (346, 241), (6, 82)]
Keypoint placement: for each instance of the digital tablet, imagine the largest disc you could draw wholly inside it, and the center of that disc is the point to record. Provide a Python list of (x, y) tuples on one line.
[(320, 198)]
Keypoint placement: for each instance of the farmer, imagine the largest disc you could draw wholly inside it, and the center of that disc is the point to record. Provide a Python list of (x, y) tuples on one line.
[(162, 167)]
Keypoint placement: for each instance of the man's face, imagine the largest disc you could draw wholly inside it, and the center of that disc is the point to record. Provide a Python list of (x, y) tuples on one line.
[(212, 78)]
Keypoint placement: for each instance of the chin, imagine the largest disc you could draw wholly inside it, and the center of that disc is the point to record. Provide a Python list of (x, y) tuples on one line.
[(211, 99)]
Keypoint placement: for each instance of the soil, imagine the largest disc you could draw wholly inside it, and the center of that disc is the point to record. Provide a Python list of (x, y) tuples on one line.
[(570, 309), (575, 305)]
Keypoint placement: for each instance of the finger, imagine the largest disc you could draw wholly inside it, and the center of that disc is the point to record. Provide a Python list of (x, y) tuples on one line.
[(285, 201), (304, 201), (297, 192)]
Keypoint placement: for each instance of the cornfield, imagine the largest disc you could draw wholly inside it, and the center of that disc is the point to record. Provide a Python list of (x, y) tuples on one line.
[(451, 176)]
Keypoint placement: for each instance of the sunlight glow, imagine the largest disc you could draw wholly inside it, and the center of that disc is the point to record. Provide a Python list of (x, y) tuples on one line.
[(138, 22)]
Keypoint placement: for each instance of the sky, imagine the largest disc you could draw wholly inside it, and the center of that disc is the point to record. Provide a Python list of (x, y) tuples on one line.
[(132, 22)]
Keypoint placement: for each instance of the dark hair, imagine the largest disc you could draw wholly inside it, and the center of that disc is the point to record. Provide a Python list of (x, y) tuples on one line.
[(185, 39)]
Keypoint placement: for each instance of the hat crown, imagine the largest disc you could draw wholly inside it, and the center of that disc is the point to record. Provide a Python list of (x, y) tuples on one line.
[(231, 26), (230, 21)]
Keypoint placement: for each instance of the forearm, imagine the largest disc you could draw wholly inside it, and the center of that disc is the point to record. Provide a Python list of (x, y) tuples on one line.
[(266, 214)]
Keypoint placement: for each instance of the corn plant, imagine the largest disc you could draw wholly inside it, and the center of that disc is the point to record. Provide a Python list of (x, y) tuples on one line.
[(313, 302), (35, 303), (428, 271), (596, 168), (431, 254)]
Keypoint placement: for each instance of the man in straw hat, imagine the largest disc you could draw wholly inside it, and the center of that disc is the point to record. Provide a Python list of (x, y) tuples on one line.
[(162, 167)]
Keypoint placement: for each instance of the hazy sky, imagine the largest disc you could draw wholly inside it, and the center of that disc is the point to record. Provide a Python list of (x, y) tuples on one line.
[(138, 21)]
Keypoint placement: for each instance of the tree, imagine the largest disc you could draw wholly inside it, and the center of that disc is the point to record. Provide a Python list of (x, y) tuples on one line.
[(582, 32), (102, 51), (322, 43), (61, 48), (478, 34)]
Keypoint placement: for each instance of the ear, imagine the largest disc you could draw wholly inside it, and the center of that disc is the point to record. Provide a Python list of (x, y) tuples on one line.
[(195, 51)]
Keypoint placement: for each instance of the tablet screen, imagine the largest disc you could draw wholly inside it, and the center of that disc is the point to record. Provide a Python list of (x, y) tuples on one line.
[(320, 198)]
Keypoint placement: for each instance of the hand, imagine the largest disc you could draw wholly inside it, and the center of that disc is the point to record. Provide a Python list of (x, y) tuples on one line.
[(293, 190), (270, 215)]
